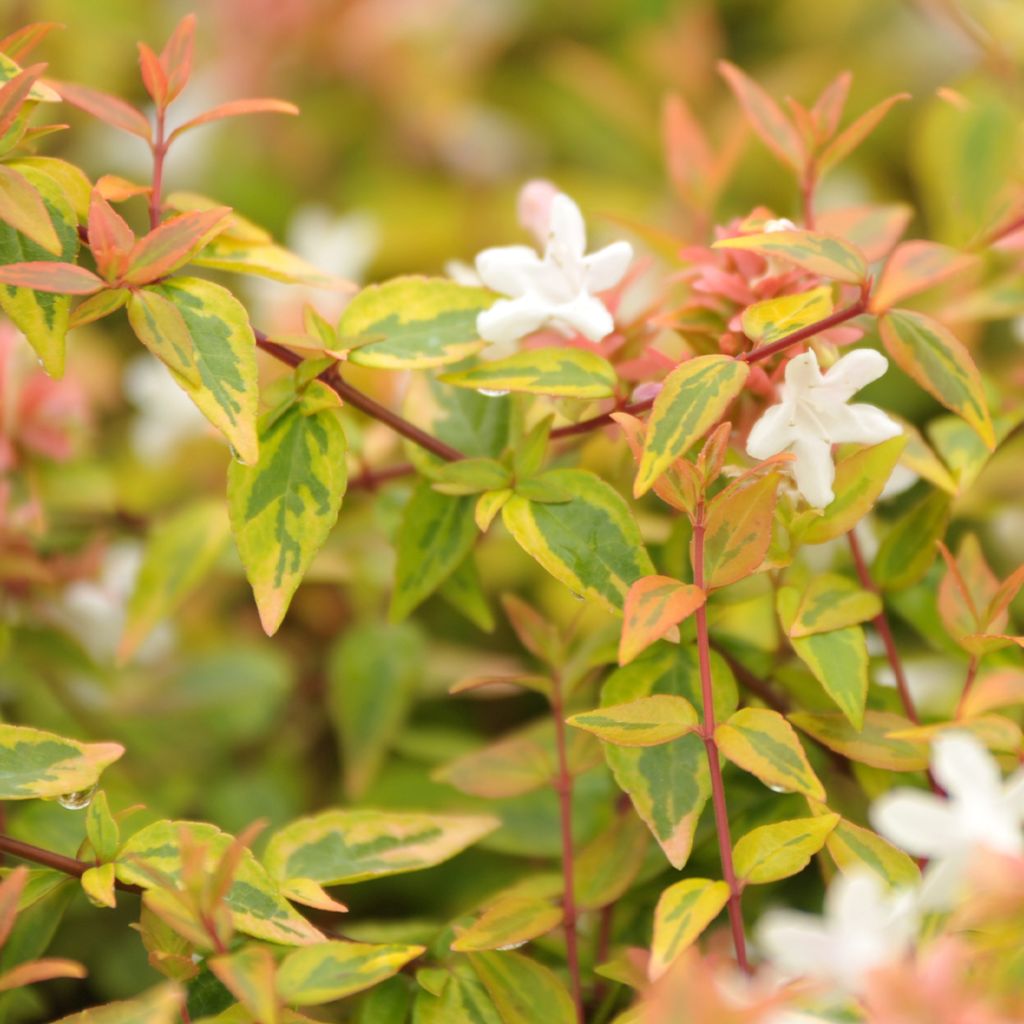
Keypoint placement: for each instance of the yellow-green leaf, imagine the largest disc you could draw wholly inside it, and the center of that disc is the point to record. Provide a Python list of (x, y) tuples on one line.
[(41, 316), (768, 321), (654, 605), (644, 722), (567, 372), (101, 828), (607, 866), (159, 325), (98, 885), (784, 848), (763, 743), (872, 744), (908, 549), (332, 970), (284, 506), (591, 543), (250, 976), (684, 910), (263, 259), (820, 254), (257, 906), (831, 602), (854, 848), (694, 396), (339, 847), (34, 763), (162, 1005), (180, 552), (224, 348), (414, 322), (739, 529), (933, 356), (509, 921), (520, 987)]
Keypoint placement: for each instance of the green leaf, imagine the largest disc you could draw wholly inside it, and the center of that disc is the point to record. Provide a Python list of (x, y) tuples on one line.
[(284, 506), (763, 743), (435, 535), (332, 970), (644, 722), (931, 355), (908, 549), (339, 847), (463, 590), (871, 744), (669, 784), (161, 1005), (520, 986), (35, 764), (41, 316), (509, 921), (739, 529), (608, 865), (591, 544), (768, 321), (372, 676), (566, 372), (860, 478), (98, 885), (654, 605), (463, 998), (471, 476), (831, 602), (262, 259), (818, 253), (694, 396), (837, 659), (684, 910), (854, 848), (23, 209), (180, 552), (224, 348), (784, 848), (414, 322), (102, 828), (159, 325), (257, 906), (249, 974)]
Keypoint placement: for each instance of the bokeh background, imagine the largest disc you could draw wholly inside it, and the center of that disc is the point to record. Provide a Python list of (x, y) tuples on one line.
[(420, 120)]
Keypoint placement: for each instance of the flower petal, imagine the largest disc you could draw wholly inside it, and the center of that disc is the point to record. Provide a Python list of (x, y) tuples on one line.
[(772, 433), (942, 882), (965, 769), (585, 314), (509, 320), (567, 233), (507, 268), (858, 424), (798, 944), (920, 823), (814, 470), (802, 373), (854, 371), (606, 267)]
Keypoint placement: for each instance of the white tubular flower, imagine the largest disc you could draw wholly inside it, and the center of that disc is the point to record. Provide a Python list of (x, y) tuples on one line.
[(814, 415), (864, 927), (556, 290), (981, 811)]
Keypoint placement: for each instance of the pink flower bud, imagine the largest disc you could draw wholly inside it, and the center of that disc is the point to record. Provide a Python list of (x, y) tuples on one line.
[(534, 207)]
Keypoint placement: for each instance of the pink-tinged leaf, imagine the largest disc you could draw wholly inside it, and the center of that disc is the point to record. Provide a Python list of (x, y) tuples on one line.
[(1000, 689), (854, 134), (688, 156), (766, 117), (915, 266), (176, 56), (819, 253), (237, 108), (42, 276), (14, 93), (116, 189), (172, 244), (804, 123), (10, 892), (654, 605), (875, 230), (153, 76), (107, 108), (828, 108), (739, 529), (110, 238), (39, 970), (23, 208), (1005, 594), (20, 43)]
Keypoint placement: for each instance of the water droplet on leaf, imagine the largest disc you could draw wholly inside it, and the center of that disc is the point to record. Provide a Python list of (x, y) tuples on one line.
[(77, 800), (778, 789)]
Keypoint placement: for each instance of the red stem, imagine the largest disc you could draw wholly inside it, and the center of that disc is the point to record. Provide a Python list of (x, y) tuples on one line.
[(807, 187), (838, 317), (159, 153), (563, 787), (708, 735), (57, 861), (972, 671)]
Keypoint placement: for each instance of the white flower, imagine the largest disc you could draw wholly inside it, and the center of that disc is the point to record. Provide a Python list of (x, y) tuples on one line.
[(981, 811), (813, 415), (556, 290), (779, 224), (166, 417), (864, 927)]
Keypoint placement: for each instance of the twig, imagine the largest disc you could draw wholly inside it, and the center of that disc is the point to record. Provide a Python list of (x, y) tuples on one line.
[(57, 861)]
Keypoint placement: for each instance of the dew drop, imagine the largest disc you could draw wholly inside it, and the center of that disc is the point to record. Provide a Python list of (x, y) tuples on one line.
[(778, 789), (77, 800), (512, 945)]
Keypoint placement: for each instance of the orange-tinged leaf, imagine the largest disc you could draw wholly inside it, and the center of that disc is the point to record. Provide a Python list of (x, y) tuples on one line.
[(43, 276), (171, 244), (116, 189), (931, 355), (1000, 689), (10, 893), (653, 606), (110, 238), (107, 108), (1006, 592), (153, 77), (915, 266), (822, 254), (237, 108), (250, 976), (765, 117), (679, 485), (22, 207), (854, 134), (687, 154), (874, 229), (176, 56), (20, 43), (739, 529), (39, 970), (828, 107), (14, 93)]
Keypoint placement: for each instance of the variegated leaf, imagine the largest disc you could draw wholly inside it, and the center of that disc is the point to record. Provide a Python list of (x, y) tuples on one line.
[(818, 253), (566, 372), (644, 722), (684, 910), (772, 852), (332, 970), (34, 763)]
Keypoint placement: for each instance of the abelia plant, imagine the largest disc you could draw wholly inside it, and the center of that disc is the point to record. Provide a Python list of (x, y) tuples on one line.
[(727, 723)]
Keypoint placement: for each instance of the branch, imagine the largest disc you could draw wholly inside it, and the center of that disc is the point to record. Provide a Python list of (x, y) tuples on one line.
[(57, 861), (838, 317)]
